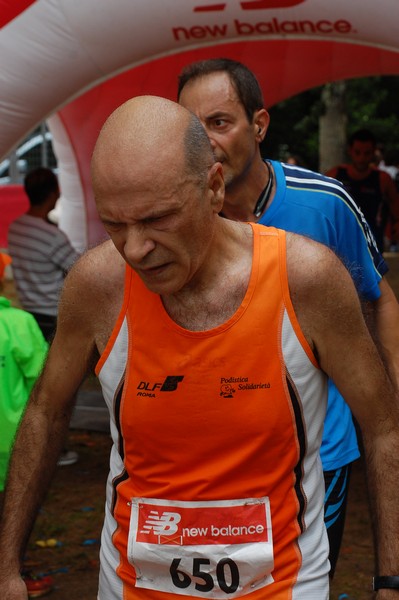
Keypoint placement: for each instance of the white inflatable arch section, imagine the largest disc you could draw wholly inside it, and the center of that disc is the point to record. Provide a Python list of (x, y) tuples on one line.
[(74, 61)]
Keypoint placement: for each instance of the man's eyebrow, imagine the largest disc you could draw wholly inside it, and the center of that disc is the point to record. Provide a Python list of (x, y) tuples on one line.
[(159, 214), (217, 114), (110, 223)]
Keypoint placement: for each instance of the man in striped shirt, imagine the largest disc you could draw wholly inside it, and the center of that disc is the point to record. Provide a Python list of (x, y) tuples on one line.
[(41, 256), (41, 253)]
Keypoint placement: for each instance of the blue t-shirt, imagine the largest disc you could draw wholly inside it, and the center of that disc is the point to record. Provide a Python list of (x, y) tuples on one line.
[(317, 206)]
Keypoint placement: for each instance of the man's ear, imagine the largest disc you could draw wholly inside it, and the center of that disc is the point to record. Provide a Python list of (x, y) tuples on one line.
[(216, 185), (261, 122)]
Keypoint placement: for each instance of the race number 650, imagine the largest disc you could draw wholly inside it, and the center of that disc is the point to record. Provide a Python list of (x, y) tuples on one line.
[(227, 575)]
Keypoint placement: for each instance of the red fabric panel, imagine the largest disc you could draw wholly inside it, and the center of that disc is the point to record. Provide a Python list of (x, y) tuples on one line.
[(13, 203), (9, 9), (283, 67)]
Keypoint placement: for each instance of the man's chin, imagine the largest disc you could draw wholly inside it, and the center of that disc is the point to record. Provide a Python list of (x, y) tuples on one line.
[(163, 286)]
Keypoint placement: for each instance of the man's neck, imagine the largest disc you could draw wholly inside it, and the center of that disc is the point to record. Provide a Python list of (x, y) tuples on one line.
[(39, 212), (242, 197), (218, 289)]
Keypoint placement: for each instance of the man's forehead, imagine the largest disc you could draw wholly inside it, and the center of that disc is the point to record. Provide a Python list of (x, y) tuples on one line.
[(364, 146), (216, 90), (127, 159), (139, 203)]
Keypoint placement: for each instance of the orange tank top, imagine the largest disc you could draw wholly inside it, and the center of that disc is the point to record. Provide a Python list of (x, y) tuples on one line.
[(216, 447)]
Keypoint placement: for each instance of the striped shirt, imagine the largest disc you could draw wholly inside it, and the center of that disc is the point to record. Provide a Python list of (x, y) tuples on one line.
[(41, 255)]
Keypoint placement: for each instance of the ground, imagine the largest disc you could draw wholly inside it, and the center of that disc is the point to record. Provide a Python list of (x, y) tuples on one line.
[(72, 516)]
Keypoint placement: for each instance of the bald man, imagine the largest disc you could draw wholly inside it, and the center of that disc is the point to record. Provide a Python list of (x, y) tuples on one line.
[(216, 396)]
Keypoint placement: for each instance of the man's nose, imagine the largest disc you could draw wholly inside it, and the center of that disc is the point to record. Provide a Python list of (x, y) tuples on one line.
[(208, 133), (138, 245)]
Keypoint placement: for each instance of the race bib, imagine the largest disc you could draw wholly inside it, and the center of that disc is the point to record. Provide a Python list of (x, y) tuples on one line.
[(217, 549)]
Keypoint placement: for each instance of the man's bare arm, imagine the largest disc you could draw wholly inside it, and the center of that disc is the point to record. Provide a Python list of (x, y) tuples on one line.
[(44, 426), (386, 317), (329, 312)]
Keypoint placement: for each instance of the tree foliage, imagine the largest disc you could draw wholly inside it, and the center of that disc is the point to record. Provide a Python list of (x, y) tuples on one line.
[(371, 102)]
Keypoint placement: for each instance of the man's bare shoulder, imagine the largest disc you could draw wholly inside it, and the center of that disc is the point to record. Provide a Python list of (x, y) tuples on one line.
[(99, 269), (93, 293), (320, 286), (310, 263)]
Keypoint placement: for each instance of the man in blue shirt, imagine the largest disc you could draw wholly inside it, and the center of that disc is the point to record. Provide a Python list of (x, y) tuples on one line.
[(227, 98)]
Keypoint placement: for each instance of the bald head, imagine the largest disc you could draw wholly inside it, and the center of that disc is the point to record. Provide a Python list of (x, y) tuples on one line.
[(158, 190), (149, 133)]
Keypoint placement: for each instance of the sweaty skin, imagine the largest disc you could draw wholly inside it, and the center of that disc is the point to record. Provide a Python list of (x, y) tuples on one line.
[(235, 140), (149, 229)]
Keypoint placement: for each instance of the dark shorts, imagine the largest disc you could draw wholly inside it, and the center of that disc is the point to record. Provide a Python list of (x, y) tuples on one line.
[(335, 501), (47, 324)]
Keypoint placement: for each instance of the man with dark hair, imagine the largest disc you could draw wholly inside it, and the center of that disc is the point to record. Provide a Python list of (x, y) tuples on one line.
[(41, 253), (243, 80), (299, 201), (40, 184), (372, 189), (211, 348)]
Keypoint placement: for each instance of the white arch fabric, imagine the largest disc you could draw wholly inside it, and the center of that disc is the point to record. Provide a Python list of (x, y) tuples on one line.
[(79, 59)]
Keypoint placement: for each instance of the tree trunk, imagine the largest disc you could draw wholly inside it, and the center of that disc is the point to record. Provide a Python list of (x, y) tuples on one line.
[(332, 126)]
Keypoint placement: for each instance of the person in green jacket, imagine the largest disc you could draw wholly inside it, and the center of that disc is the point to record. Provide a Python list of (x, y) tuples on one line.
[(22, 353), (23, 349)]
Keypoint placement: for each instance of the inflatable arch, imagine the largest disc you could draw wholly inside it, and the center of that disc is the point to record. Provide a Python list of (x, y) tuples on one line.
[(73, 61)]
